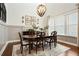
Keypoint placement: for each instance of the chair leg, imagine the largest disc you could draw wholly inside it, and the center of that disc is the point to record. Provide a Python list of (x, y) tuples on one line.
[(36, 47), (42, 45), (21, 49), (55, 44), (50, 45), (29, 47)]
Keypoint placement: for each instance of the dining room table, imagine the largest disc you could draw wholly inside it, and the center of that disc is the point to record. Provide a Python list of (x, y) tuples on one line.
[(31, 38)]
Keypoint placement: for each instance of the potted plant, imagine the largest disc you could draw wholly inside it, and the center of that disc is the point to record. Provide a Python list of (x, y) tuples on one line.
[(31, 31)]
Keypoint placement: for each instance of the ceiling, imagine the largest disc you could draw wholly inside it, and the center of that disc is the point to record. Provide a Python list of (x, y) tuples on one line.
[(57, 8), (30, 8)]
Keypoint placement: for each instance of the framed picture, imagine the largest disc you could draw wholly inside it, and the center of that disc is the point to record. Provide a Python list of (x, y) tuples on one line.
[(2, 12)]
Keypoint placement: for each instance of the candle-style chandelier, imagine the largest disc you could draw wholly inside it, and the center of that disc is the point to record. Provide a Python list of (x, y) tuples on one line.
[(41, 9)]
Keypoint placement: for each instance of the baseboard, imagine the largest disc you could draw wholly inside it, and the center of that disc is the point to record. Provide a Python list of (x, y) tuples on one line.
[(2, 50), (68, 43), (13, 41), (4, 47)]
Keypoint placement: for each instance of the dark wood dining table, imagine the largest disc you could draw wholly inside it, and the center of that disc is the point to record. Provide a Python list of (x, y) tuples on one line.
[(31, 38)]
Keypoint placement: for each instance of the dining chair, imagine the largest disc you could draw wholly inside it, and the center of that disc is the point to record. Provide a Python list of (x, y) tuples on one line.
[(53, 39), (42, 39), (39, 41), (22, 42)]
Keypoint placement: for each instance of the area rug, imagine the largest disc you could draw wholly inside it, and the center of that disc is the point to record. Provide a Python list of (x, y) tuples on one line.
[(55, 51)]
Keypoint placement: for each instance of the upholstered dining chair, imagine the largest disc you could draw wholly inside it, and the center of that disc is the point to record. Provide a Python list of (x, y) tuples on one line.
[(51, 40), (39, 41), (42, 39), (22, 42)]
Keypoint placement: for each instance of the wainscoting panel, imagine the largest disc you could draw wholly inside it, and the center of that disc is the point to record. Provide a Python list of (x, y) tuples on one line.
[(3, 34), (68, 39), (13, 32)]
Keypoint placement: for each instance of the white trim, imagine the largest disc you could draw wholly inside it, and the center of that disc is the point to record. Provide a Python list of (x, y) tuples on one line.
[(68, 43), (15, 25), (2, 50), (13, 41), (3, 23), (67, 36)]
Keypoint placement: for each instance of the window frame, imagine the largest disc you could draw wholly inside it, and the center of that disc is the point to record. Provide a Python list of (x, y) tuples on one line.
[(66, 28)]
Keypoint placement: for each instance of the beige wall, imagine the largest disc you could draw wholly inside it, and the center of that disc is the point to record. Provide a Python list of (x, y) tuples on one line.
[(13, 32)]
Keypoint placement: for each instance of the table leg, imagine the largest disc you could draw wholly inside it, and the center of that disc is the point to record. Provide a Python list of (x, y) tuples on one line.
[(32, 45), (29, 47), (55, 42), (50, 43)]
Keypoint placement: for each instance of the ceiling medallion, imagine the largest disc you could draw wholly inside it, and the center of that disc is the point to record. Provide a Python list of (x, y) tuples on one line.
[(41, 9)]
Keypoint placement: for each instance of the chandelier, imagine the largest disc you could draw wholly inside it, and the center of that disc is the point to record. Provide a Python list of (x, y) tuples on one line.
[(41, 9)]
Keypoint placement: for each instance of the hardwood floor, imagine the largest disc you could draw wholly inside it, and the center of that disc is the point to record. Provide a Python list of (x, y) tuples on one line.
[(8, 50), (74, 51)]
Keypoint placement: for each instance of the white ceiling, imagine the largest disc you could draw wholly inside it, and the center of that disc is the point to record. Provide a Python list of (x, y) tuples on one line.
[(57, 8), (52, 8)]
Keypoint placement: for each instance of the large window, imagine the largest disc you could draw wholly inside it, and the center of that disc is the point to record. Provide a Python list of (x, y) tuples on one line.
[(64, 24), (72, 24), (51, 25), (60, 25)]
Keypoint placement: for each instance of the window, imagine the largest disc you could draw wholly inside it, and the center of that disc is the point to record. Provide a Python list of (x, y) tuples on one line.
[(64, 24), (51, 25), (60, 24), (72, 24)]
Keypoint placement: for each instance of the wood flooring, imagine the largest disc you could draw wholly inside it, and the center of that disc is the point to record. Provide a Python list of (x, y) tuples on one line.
[(74, 51)]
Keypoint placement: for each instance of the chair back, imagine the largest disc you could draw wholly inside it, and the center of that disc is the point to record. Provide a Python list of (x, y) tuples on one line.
[(28, 33), (21, 39), (54, 33), (42, 33), (25, 33), (38, 33)]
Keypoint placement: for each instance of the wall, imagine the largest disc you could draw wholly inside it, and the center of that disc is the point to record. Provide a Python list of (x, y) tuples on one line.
[(67, 39), (13, 32), (3, 33), (8, 33), (15, 11), (9, 30)]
